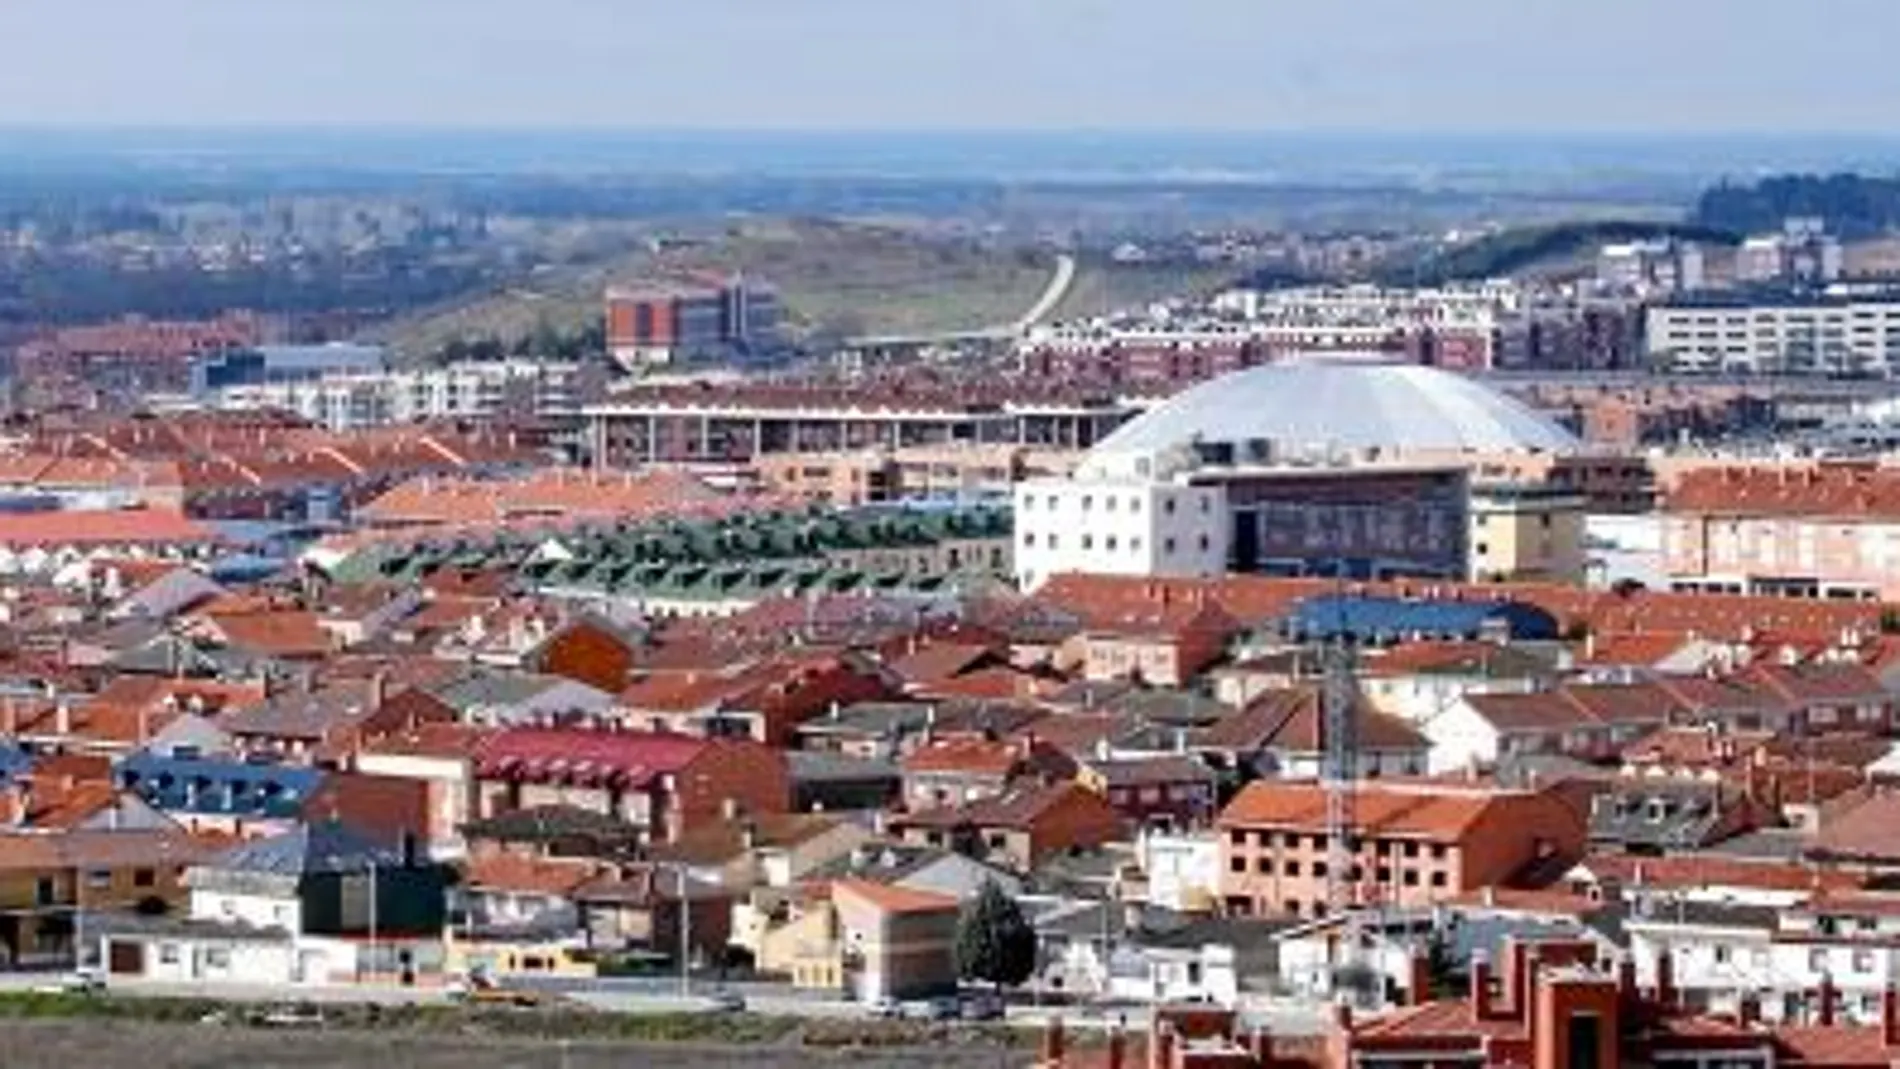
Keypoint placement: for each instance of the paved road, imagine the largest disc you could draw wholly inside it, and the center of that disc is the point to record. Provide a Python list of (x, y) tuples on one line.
[(1052, 294)]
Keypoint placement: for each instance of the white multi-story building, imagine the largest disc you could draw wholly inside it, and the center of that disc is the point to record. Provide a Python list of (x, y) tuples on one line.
[(1784, 958), (1650, 267), (1838, 333), (376, 399), (1803, 252)]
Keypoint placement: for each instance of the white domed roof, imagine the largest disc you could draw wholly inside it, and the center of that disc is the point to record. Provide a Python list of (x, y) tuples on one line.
[(1352, 404)]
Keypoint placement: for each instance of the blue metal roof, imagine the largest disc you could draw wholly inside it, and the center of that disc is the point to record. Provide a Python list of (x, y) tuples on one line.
[(1376, 619), (218, 787)]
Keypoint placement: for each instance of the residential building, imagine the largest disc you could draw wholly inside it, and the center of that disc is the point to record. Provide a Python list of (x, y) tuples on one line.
[(52, 884), (292, 909), (1831, 333), (1018, 828), (702, 321), (1818, 532), (1415, 843), (357, 399), (664, 784), (1526, 534)]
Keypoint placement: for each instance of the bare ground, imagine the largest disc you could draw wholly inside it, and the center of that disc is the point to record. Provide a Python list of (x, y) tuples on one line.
[(118, 1044)]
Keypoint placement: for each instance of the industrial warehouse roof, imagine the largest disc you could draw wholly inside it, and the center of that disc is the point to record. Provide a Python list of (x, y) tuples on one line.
[(1356, 403)]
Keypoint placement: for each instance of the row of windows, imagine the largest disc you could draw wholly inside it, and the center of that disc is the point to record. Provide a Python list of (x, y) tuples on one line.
[(1407, 877), (1109, 503), (1380, 847), (1112, 543)]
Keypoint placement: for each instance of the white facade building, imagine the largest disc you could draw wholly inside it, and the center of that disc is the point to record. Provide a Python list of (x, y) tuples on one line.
[(1840, 333), (1182, 868), (1781, 957), (377, 399)]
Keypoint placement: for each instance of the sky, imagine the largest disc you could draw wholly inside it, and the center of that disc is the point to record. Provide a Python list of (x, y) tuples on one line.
[(1545, 66)]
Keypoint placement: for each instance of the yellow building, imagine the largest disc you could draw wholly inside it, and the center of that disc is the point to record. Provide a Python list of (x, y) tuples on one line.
[(1526, 533)]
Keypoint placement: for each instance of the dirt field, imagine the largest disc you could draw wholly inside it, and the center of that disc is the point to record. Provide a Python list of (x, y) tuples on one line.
[(109, 1044)]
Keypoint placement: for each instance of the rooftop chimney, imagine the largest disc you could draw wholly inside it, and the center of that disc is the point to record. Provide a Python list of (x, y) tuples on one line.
[(1052, 1041), (1480, 973), (1161, 1044)]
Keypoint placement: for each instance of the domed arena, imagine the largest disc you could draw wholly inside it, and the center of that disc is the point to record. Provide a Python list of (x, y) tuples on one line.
[(1350, 403)]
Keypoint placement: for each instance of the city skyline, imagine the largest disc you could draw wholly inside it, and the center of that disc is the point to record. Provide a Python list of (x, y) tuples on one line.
[(1543, 66)]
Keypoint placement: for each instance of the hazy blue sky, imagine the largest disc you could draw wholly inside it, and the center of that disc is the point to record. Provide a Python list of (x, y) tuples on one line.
[(1542, 65)]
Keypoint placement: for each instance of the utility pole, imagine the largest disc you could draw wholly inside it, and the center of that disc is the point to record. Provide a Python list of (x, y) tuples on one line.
[(372, 917), (686, 934), (1339, 746)]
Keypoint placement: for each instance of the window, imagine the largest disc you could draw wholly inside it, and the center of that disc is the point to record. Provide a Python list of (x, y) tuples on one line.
[(217, 958), (1721, 954), (99, 879), (44, 892), (1054, 542), (1411, 849), (1088, 541), (1817, 961), (1863, 961), (1029, 538), (1238, 864), (1410, 877), (1438, 851), (168, 953), (1109, 543), (1207, 505), (1134, 504), (1204, 543), (144, 878), (1292, 868), (1237, 838), (1438, 879), (1167, 505), (1134, 545), (1263, 866), (1319, 868), (1109, 503), (1167, 546), (1088, 502)]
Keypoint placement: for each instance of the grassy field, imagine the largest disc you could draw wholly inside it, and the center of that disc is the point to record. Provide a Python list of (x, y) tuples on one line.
[(56, 1044), (54, 1032), (1101, 287), (855, 278)]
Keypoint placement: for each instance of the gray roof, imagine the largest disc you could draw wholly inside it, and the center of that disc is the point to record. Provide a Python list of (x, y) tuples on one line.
[(1357, 403), (324, 847), (820, 766)]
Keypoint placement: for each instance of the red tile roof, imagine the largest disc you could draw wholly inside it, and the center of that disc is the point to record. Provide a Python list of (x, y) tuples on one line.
[(635, 758), (892, 899), (135, 526), (1430, 810)]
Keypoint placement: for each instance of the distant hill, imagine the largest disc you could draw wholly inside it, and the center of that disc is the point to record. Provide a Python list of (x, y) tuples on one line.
[(1519, 249), (1855, 207), (848, 278)]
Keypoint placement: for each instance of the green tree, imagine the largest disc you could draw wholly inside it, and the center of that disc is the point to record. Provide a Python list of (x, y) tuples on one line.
[(995, 943)]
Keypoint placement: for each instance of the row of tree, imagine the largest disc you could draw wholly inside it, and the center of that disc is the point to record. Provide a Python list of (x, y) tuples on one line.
[(1853, 206), (544, 342)]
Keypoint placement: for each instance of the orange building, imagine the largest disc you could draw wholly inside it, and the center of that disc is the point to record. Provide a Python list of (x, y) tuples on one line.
[(1415, 844)]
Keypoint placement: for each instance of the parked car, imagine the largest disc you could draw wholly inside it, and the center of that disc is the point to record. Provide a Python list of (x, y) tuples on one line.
[(479, 990), (301, 1016), (937, 1009), (81, 981), (887, 1008), (725, 1002), (982, 1008)]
